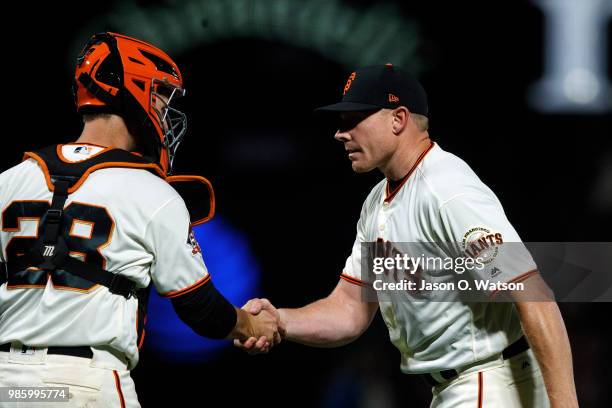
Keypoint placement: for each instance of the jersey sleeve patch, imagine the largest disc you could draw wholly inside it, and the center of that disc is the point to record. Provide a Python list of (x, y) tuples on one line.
[(482, 242), (193, 243)]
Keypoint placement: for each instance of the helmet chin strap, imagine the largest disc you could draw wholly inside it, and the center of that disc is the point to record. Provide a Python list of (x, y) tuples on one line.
[(114, 101)]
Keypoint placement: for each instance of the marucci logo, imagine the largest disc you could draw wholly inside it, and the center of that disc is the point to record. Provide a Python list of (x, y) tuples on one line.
[(49, 250)]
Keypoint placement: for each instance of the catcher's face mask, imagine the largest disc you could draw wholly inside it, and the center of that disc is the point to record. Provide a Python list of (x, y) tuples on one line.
[(174, 122)]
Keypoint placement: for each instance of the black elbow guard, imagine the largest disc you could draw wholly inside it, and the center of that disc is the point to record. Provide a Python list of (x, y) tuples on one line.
[(206, 311)]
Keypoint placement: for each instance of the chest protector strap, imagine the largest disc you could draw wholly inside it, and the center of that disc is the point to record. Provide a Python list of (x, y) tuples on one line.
[(50, 252)]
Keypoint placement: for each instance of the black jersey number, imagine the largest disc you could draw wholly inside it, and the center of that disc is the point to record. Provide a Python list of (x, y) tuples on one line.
[(86, 229)]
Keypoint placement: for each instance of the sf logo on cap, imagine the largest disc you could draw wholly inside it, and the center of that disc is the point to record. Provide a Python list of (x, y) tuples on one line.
[(349, 82)]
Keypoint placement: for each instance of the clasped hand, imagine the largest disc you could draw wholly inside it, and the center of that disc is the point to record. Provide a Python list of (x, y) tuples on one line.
[(268, 329)]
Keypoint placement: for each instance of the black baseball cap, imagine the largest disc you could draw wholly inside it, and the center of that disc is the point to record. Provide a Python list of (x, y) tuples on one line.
[(380, 86)]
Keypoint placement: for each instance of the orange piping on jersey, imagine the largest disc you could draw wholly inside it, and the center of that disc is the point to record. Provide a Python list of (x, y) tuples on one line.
[(188, 289), (391, 194), (99, 166), (519, 278), (354, 281), (25, 286), (19, 219), (61, 156), (58, 287), (80, 254), (116, 164), (140, 343), (79, 221), (480, 390), (43, 167), (143, 329), (29, 286), (144, 332), (211, 191), (118, 386)]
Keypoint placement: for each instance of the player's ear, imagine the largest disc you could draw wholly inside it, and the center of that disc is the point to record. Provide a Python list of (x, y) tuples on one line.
[(399, 117)]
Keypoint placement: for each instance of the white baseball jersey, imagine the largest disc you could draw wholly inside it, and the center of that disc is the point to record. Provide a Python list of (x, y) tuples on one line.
[(128, 220), (442, 201)]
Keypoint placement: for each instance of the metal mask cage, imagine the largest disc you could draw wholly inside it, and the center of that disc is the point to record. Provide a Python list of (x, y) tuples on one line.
[(172, 120)]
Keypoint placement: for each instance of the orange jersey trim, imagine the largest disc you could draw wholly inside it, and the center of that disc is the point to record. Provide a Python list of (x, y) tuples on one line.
[(78, 184), (144, 323), (141, 342), (188, 289), (480, 390), (68, 288), (19, 219), (25, 286), (119, 391), (354, 281), (391, 194)]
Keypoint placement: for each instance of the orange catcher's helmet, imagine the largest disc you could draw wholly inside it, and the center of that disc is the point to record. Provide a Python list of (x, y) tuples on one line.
[(138, 81)]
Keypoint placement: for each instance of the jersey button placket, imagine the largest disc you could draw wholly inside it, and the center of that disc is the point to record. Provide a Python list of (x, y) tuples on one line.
[(382, 217)]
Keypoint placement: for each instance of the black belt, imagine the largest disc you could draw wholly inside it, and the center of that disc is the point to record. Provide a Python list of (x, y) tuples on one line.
[(75, 351), (512, 350)]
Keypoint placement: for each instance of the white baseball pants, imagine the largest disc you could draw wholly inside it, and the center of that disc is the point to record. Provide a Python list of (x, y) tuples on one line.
[(88, 384), (513, 383)]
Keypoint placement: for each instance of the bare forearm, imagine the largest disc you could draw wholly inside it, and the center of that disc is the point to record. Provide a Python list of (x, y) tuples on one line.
[(323, 323), (544, 328)]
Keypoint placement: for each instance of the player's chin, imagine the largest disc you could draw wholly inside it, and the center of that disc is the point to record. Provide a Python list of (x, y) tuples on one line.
[(360, 166)]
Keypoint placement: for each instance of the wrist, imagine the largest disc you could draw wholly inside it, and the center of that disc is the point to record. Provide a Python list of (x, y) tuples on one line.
[(244, 326), (283, 315)]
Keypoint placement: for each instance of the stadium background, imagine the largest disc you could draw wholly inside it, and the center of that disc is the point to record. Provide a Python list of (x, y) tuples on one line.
[(287, 200)]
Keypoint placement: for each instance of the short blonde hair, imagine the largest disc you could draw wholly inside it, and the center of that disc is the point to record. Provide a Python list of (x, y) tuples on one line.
[(421, 122)]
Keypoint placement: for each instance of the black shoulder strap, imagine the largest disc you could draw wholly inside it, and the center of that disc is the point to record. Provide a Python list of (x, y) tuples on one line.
[(76, 172), (51, 252)]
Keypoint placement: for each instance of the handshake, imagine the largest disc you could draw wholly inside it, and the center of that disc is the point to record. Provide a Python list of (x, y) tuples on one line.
[(265, 327)]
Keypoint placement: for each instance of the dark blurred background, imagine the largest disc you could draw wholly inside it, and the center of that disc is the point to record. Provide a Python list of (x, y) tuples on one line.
[(518, 89)]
